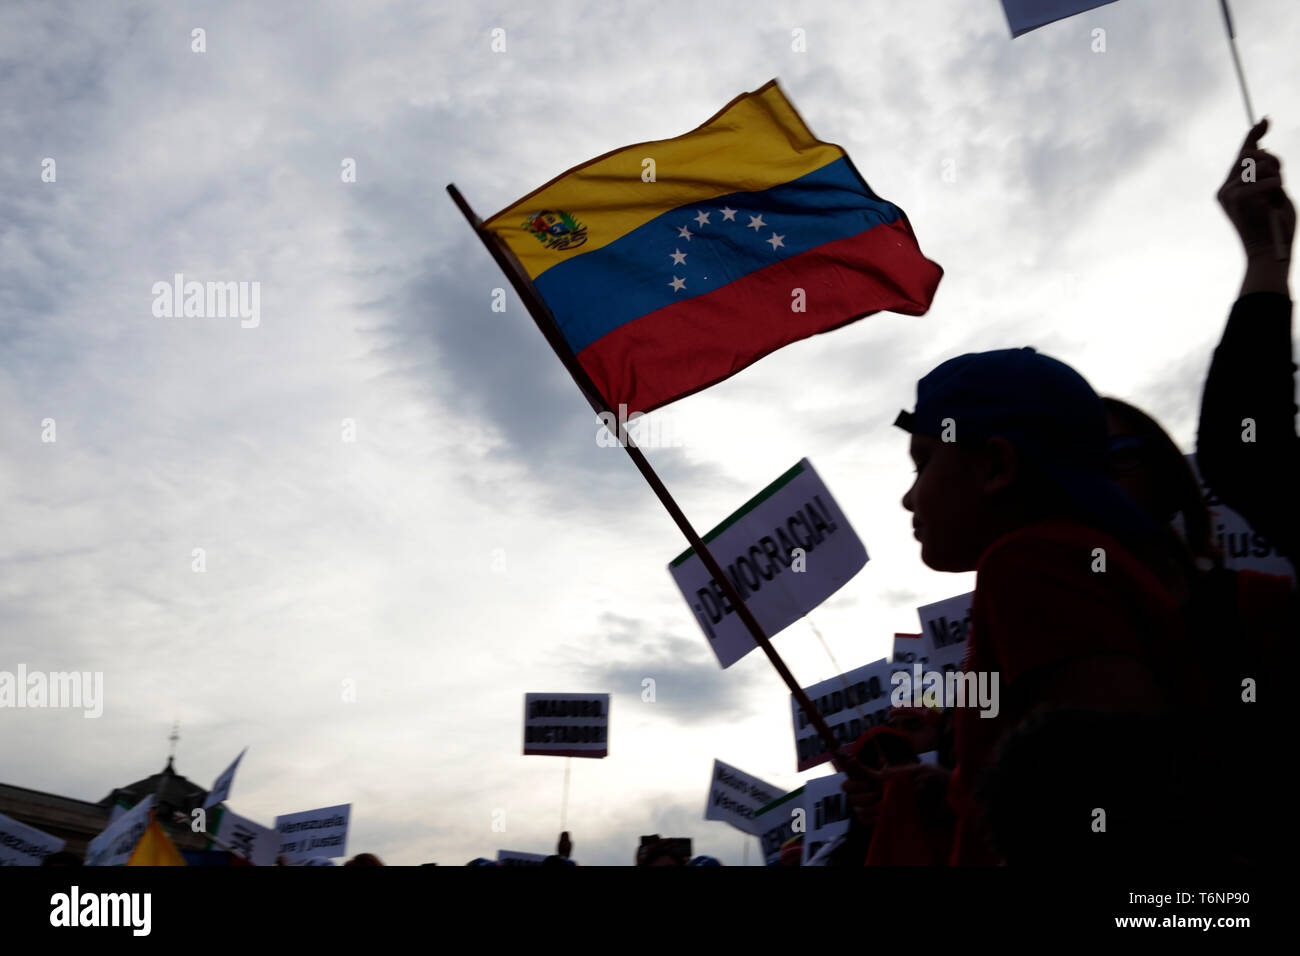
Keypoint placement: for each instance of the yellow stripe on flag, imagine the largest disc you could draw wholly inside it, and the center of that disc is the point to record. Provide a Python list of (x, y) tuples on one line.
[(755, 142), (155, 848)]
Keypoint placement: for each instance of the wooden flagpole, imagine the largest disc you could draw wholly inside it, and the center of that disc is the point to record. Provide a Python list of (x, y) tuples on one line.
[(541, 314)]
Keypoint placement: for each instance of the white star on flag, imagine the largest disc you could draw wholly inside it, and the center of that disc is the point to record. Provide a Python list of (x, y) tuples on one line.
[(775, 241), (756, 223), (684, 233), (728, 214), (678, 257), (702, 219), (678, 284)]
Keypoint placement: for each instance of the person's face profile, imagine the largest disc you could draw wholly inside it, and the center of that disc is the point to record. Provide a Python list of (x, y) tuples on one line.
[(1128, 467), (946, 502)]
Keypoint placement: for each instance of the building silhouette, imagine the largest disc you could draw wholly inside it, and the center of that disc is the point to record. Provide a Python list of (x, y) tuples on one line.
[(79, 821)]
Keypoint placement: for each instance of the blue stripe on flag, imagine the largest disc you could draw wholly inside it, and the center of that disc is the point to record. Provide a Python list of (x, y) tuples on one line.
[(596, 293)]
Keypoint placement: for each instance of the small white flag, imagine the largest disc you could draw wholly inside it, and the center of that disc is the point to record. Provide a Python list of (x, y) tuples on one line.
[(221, 789), (1026, 15)]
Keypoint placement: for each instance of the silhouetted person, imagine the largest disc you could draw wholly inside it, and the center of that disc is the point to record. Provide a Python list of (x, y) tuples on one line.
[(1246, 447)]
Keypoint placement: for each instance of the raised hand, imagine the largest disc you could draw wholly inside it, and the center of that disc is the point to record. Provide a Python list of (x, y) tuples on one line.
[(1255, 202)]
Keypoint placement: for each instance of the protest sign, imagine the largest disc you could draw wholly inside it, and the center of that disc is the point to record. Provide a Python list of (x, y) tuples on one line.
[(221, 789), (825, 855), (518, 858), (566, 725), (322, 832), (945, 626), (21, 845), (113, 847), (734, 796), (119, 807), (852, 704), (256, 843), (939, 648), (908, 648), (827, 809), (1244, 549), (776, 824), (787, 550)]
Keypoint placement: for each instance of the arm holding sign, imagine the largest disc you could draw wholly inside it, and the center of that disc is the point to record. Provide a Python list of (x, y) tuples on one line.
[(919, 724), (902, 819), (1247, 448), (900, 810), (1259, 209)]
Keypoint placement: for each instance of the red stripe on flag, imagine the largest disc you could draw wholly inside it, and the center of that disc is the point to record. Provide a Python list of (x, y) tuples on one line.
[(682, 348)]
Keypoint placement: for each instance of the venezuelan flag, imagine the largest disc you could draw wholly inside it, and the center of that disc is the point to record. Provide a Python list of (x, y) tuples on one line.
[(751, 234)]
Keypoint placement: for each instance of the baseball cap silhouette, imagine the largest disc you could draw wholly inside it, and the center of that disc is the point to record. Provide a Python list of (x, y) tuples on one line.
[(1044, 408)]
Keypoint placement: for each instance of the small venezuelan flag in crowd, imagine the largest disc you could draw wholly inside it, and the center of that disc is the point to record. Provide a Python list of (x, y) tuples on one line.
[(752, 235)]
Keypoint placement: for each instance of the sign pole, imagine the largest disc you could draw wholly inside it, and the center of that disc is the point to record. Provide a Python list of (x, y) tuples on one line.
[(1278, 245), (857, 707), (1236, 61), (532, 300), (564, 804)]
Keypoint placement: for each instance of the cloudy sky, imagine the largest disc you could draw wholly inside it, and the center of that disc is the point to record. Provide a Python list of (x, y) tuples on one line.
[(1078, 216)]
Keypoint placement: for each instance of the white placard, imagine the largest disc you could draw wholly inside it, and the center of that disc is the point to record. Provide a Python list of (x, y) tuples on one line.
[(827, 809), (322, 832), (776, 824), (945, 633), (566, 725), (759, 549), (1244, 549), (258, 844), (909, 648), (114, 846), (945, 628), (735, 795), (21, 845), (851, 703)]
